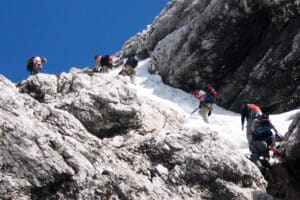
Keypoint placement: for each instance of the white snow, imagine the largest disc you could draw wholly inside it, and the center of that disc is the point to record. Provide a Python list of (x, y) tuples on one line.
[(226, 123)]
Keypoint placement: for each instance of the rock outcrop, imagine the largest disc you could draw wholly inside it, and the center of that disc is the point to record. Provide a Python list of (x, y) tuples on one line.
[(103, 104), (248, 49), (290, 175), (48, 147)]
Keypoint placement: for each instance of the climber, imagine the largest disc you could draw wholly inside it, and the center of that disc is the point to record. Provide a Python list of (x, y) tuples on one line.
[(106, 63), (206, 101), (97, 67), (249, 111), (128, 68), (35, 64), (261, 131)]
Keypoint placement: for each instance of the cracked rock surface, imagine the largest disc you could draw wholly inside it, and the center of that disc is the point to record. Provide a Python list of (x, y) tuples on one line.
[(248, 49), (50, 149)]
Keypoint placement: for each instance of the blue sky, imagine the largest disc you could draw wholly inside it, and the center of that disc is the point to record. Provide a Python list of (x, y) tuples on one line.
[(68, 32)]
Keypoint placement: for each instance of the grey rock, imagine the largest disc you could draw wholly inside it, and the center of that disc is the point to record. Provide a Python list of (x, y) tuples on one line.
[(291, 169), (218, 173), (103, 104), (247, 49), (48, 152)]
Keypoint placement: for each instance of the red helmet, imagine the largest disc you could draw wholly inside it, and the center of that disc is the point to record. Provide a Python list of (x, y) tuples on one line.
[(210, 88)]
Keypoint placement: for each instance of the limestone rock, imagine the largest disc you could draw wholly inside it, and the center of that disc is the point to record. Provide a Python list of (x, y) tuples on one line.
[(220, 172), (47, 152), (247, 49), (103, 104)]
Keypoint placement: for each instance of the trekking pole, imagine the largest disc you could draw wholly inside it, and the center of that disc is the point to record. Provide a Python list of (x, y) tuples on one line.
[(194, 111)]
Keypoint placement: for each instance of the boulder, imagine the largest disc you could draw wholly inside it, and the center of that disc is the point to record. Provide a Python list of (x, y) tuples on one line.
[(290, 174), (103, 104)]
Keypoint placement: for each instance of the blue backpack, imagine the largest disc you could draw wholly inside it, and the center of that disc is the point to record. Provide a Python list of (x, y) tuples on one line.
[(261, 133), (131, 62), (209, 98)]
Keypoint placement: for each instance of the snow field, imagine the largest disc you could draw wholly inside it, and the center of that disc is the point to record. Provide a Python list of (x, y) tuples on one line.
[(226, 123)]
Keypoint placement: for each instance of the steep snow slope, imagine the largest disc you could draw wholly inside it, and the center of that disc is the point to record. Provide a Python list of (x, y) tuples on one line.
[(226, 123)]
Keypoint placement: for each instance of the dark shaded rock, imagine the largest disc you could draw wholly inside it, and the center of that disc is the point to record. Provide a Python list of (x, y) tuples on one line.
[(290, 174), (247, 49)]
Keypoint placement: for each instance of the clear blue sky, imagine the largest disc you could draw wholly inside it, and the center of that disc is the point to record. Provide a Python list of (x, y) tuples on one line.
[(68, 32)]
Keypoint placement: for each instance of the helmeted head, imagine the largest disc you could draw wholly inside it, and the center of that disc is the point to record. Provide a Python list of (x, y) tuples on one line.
[(258, 115), (202, 95)]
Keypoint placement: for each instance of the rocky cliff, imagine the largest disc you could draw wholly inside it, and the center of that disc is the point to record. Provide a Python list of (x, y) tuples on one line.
[(248, 49), (81, 135)]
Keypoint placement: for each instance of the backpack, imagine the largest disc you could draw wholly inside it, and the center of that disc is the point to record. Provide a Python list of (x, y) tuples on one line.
[(30, 64), (131, 62), (105, 61), (261, 133), (209, 98)]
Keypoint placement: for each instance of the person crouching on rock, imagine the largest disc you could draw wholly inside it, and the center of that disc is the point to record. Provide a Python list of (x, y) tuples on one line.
[(261, 131)]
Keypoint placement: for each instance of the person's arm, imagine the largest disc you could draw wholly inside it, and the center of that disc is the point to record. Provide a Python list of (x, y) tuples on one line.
[(243, 116), (273, 127), (253, 126)]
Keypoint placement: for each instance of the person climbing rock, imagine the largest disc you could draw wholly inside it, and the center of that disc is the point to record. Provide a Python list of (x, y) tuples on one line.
[(206, 101), (248, 112), (35, 64), (97, 66), (128, 68), (106, 63), (261, 130)]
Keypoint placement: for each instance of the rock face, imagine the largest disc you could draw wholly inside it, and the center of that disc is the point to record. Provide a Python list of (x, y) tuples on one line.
[(48, 147), (246, 49), (291, 163), (103, 104)]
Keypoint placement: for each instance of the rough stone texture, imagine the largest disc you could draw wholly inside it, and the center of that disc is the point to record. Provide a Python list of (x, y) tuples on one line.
[(183, 159), (104, 105), (291, 162), (157, 116), (47, 152), (245, 48)]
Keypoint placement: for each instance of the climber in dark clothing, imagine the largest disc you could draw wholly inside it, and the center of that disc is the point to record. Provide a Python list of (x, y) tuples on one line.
[(128, 68), (106, 63), (261, 131)]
